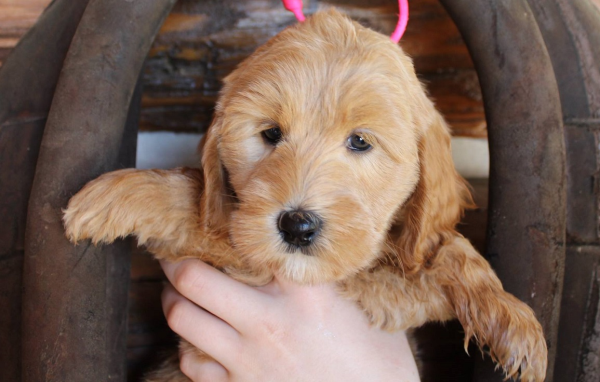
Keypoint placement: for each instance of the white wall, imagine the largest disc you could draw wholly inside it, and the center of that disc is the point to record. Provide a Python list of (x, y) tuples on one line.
[(471, 157), (168, 150)]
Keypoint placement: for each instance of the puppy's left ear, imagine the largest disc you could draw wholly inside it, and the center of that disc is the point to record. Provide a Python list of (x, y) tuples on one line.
[(216, 199), (428, 218)]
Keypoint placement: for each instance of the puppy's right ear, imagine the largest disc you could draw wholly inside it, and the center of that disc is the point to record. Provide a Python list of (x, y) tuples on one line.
[(429, 217), (216, 200)]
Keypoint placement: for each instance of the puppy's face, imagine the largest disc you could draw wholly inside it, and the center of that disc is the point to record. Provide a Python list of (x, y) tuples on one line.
[(317, 134)]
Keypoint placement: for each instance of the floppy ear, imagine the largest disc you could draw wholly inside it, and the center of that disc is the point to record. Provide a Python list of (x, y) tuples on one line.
[(428, 219), (216, 200)]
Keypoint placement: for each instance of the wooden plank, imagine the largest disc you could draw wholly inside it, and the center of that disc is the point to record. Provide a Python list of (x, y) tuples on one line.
[(570, 29), (149, 339), (85, 288), (578, 338), (26, 92), (526, 230), (17, 16), (201, 42)]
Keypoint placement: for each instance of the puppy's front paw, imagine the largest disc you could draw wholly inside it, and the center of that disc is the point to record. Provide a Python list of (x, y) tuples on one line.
[(517, 344), (99, 211)]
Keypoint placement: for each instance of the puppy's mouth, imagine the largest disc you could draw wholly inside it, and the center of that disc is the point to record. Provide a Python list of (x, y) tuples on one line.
[(293, 249)]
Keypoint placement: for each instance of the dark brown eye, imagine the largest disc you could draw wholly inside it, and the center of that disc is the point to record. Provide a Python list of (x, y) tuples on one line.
[(357, 143), (272, 136)]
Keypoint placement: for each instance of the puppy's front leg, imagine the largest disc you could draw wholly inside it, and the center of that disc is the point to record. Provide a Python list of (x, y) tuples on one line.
[(458, 283), (493, 317), (160, 207)]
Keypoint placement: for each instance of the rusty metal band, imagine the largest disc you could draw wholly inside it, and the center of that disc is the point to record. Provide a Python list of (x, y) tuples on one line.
[(526, 227), (74, 298)]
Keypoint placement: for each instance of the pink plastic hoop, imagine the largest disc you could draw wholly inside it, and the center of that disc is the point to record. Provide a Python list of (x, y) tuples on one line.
[(295, 6), (402, 21)]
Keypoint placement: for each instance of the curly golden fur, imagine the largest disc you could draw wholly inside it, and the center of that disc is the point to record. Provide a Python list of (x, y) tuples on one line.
[(389, 214)]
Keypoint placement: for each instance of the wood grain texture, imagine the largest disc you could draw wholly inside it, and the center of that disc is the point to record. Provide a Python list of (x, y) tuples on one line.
[(203, 41), (75, 303), (16, 18)]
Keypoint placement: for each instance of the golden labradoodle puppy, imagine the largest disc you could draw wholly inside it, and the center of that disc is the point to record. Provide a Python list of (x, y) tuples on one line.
[(325, 161)]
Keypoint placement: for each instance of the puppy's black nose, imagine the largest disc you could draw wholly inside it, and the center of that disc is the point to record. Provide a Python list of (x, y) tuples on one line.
[(299, 227)]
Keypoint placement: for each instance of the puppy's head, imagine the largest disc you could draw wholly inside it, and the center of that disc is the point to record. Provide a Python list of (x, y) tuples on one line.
[(326, 153)]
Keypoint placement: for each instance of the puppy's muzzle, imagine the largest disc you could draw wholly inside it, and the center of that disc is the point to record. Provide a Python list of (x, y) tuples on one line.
[(299, 228)]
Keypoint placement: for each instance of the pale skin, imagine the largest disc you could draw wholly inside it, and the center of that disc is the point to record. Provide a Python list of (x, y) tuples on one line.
[(282, 331)]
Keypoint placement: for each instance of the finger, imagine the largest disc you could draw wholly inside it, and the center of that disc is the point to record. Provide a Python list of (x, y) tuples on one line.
[(200, 370), (204, 331), (216, 292)]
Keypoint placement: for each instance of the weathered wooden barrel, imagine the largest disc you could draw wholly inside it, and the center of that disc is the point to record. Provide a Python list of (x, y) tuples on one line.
[(571, 30), (526, 224), (26, 92), (74, 301)]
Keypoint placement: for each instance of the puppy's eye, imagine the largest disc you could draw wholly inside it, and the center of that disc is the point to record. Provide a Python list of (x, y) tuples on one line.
[(357, 143), (272, 136)]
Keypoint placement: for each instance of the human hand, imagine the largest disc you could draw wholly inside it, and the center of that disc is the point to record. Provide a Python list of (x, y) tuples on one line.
[(280, 332)]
